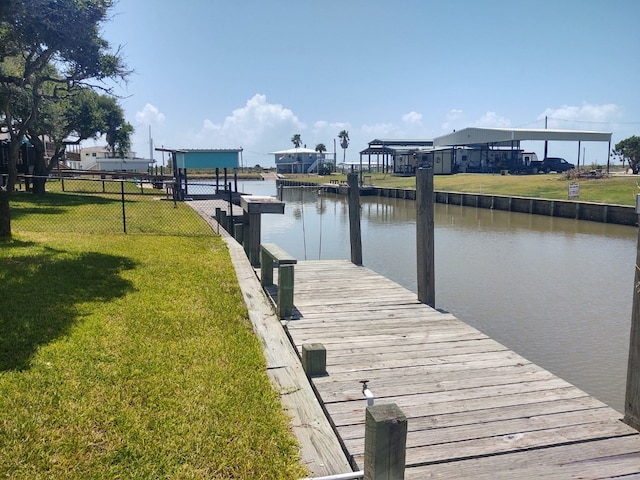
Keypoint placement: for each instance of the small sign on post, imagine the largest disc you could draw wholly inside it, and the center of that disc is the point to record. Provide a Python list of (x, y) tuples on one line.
[(574, 190)]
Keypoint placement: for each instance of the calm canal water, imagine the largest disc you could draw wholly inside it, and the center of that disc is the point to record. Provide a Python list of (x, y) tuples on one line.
[(556, 291)]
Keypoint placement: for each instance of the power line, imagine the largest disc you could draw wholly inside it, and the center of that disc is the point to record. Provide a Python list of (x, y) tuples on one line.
[(527, 124), (593, 122), (257, 153)]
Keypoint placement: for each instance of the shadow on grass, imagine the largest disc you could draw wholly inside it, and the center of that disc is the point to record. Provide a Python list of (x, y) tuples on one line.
[(52, 199), (41, 293), (24, 204)]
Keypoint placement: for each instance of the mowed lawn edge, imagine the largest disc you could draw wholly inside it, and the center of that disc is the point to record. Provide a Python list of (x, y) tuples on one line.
[(615, 190), (132, 356)]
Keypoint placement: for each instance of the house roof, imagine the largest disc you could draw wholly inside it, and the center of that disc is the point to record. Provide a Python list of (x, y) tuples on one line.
[(206, 150), (372, 150), (189, 150), (504, 136), (393, 145), (294, 151), (396, 142)]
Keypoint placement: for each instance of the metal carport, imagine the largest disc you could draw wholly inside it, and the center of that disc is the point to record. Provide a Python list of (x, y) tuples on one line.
[(495, 137)]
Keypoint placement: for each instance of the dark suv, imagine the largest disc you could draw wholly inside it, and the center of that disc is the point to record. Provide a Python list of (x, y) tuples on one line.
[(556, 164)]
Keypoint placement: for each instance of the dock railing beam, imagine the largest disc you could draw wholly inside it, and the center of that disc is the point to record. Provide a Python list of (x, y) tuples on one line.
[(425, 236), (632, 397)]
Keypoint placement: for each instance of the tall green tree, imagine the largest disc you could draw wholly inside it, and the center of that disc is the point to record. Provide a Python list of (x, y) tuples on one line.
[(322, 168), (118, 134), (296, 140), (344, 143), (628, 150), (81, 114), (34, 36)]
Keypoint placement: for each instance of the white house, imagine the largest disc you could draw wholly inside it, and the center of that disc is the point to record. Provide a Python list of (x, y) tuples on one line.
[(301, 160), (100, 158), (296, 160)]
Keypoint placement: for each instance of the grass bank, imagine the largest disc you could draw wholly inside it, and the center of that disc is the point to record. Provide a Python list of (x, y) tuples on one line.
[(616, 189), (131, 356)]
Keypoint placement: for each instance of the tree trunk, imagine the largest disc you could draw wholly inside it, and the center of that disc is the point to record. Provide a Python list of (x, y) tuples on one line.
[(5, 214), (40, 167), (7, 188)]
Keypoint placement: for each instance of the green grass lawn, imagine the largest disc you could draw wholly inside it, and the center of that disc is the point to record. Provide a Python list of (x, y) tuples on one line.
[(131, 356), (617, 189)]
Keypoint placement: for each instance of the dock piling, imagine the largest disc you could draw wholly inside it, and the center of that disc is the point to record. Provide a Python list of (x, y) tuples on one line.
[(385, 440), (425, 236), (314, 359), (632, 396), (354, 219)]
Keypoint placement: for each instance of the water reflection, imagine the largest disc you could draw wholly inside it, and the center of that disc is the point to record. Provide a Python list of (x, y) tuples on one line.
[(557, 291)]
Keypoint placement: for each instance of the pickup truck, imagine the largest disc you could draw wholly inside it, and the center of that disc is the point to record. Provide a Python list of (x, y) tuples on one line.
[(552, 164)]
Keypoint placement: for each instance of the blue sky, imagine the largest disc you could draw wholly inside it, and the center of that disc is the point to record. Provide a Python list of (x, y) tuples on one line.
[(252, 73)]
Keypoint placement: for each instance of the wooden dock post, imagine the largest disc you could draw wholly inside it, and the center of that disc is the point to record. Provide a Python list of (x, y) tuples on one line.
[(253, 206), (354, 219), (632, 396), (238, 232), (314, 359), (224, 220), (284, 303), (385, 442), (425, 236)]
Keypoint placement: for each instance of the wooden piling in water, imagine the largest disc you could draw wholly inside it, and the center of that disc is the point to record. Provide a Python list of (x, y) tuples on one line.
[(354, 219), (425, 236), (632, 396)]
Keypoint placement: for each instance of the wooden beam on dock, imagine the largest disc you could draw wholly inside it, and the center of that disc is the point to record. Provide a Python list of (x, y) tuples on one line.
[(320, 450)]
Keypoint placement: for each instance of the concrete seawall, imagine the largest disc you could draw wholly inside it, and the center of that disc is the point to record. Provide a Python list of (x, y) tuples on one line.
[(594, 212)]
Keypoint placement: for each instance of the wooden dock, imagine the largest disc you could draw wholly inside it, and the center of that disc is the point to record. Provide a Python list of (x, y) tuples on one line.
[(475, 409)]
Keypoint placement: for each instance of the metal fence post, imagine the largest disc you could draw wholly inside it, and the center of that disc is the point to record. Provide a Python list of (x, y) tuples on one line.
[(124, 216)]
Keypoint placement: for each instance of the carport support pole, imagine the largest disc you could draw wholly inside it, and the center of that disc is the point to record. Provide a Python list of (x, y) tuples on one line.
[(578, 165), (632, 398), (425, 236)]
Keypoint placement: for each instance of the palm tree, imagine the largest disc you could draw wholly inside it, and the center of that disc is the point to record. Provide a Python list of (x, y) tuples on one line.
[(296, 140), (321, 148), (344, 143)]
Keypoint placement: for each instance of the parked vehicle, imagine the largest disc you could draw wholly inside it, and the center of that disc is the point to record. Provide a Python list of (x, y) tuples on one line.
[(552, 164)]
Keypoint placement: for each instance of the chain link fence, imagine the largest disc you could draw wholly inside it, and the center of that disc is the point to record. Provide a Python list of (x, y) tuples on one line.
[(103, 206)]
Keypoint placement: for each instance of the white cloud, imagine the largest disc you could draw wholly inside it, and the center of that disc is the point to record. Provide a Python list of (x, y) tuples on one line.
[(149, 115), (259, 125), (576, 116), (412, 117), (379, 130), (492, 120), (454, 119), (323, 129)]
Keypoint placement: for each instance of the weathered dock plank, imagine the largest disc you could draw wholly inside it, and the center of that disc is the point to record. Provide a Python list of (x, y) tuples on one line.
[(475, 409), (616, 457), (320, 450)]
